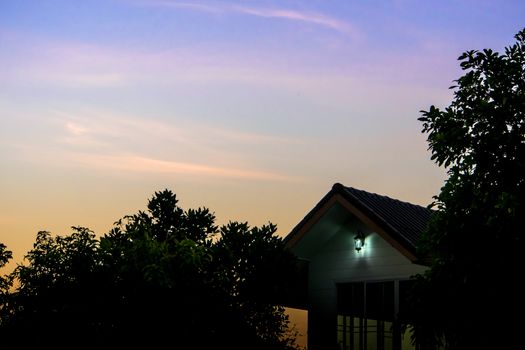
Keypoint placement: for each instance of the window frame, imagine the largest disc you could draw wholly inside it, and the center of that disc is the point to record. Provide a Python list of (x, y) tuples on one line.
[(346, 312)]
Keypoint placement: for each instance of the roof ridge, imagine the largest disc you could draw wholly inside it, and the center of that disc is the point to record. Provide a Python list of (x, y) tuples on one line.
[(382, 196)]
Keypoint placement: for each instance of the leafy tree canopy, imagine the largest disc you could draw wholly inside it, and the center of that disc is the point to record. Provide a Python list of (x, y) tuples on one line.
[(161, 277), (476, 237), (5, 282)]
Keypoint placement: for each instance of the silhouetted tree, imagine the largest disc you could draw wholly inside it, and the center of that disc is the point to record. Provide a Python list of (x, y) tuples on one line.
[(161, 276), (256, 267), (5, 281), (56, 290), (476, 239)]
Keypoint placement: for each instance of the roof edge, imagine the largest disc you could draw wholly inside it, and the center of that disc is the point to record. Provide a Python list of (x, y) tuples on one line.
[(339, 189), (336, 188)]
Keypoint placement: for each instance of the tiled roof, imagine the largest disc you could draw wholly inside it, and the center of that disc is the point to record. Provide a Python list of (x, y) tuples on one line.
[(404, 222), (402, 219)]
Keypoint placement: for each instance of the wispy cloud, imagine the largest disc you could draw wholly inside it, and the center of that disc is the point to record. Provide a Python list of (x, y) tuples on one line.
[(101, 124), (188, 5), (106, 141), (75, 129), (314, 18), (65, 64), (280, 13), (142, 164)]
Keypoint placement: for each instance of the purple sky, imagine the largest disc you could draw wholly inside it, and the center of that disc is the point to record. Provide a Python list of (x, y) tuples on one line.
[(251, 108)]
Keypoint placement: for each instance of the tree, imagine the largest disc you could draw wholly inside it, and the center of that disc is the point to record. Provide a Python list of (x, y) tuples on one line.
[(256, 267), (5, 281), (476, 238), (55, 290), (161, 276)]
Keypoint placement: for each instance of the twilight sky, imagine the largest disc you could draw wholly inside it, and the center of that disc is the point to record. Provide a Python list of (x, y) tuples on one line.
[(251, 108)]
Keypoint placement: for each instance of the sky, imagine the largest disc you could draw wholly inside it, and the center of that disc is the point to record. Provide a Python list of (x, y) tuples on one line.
[(253, 109)]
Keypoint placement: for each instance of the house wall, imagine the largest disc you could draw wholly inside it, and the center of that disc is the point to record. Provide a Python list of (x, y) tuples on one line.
[(336, 261)]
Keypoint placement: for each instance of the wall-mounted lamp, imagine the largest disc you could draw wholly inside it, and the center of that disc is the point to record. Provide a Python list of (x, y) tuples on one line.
[(359, 240)]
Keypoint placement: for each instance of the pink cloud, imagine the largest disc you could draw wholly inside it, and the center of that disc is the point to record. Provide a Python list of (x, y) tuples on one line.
[(103, 141), (136, 163)]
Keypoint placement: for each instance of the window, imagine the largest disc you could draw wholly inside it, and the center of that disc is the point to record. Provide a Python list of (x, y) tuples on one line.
[(367, 316)]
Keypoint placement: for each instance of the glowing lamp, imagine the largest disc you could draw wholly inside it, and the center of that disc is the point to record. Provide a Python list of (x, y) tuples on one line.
[(359, 241)]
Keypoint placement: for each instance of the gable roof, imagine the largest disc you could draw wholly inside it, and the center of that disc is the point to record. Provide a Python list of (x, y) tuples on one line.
[(400, 223)]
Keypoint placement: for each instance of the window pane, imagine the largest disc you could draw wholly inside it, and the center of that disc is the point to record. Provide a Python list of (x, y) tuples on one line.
[(340, 330), (388, 301), (371, 334), (350, 299), (358, 299), (358, 332), (348, 330), (388, 339), (380, 300), (374, 300), (366, 317), (344, 298)]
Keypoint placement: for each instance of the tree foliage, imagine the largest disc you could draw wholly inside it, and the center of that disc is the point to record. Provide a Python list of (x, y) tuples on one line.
[(5, 281), (476, 238), (161, 276)]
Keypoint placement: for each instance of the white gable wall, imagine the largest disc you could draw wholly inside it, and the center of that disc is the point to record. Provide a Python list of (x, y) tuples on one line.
[(336, 261)]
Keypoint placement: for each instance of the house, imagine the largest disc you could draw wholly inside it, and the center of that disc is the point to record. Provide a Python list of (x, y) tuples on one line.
[(360, 251)]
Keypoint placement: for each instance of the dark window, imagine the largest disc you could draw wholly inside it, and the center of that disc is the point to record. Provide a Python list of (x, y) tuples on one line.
[(380, 300), (351, 298), (367, 315)]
